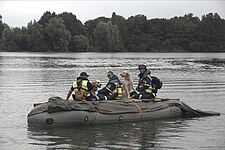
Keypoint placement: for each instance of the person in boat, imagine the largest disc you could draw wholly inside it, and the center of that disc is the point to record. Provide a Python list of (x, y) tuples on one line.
[(144, 87), (112, 90), (81, 87)]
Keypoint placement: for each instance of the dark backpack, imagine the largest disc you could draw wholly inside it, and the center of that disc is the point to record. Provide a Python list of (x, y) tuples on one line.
[(157, 84)]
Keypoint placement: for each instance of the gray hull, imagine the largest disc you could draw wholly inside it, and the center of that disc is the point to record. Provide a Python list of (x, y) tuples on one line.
[(71, 118), (59, 112)]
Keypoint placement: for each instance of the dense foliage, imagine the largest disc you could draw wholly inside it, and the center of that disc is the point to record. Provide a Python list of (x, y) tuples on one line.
[(65, 33)]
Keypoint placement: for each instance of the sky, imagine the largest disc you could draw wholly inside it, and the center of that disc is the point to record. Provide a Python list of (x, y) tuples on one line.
[(18, 13)]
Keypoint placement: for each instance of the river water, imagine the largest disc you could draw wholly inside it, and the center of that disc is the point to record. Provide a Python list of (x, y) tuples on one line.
[(198, 79)]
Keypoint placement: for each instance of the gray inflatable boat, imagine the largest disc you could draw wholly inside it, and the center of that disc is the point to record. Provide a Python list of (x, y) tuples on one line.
[(59, 112)]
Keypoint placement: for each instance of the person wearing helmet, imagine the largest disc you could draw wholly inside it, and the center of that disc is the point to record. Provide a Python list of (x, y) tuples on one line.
[(144, 87), (81, 86)]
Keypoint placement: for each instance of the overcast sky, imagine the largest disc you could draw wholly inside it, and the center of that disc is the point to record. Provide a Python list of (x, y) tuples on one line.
[(18, 13)]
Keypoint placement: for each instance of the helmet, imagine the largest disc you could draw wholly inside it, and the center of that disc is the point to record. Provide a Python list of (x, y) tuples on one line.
[(143, 66)]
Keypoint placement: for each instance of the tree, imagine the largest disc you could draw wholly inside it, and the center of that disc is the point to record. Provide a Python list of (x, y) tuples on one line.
[(79, 43), (14, 39), (46, 17), (182, 31), (120, 22), (36, 40), (90, 26), (73, 24), (7, 39), (107, 38), (2, 27), (212, 32), (58, 36), (135, 38)]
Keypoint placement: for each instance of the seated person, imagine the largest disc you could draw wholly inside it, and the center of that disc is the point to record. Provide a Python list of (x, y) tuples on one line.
[(144, 87), (112, 90), (81, 87)]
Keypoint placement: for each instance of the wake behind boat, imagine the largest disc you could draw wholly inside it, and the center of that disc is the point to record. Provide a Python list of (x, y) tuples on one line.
[(60, 112)]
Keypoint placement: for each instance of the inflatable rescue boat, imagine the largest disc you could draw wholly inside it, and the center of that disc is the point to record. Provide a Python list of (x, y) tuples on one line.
[(59, 112)]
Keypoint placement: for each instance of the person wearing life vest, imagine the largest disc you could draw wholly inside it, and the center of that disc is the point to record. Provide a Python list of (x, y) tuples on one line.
[(83, 85), (144, 87), (112, 90)]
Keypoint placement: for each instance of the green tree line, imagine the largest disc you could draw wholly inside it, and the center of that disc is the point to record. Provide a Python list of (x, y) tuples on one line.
[(65, 33)]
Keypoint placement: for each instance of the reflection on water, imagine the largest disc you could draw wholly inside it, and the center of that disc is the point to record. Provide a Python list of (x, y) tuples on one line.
[(197, 79), (129, 136)]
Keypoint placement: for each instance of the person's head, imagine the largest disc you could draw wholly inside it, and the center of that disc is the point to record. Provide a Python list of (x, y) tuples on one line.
[(110, 74), (84, 74), (142, 68)]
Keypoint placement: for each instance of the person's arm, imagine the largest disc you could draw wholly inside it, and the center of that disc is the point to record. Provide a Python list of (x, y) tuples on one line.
[(111, 87), (147, 85), (69, 93)]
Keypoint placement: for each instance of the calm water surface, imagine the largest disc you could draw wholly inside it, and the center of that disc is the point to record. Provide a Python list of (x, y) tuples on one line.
[(198, 79)]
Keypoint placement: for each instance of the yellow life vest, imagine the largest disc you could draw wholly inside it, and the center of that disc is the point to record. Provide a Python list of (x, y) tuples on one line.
[(81, 87)]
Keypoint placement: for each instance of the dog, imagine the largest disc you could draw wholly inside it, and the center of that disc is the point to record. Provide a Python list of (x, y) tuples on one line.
[(83, 94), (127, 86), (79, 96), (97, 84)]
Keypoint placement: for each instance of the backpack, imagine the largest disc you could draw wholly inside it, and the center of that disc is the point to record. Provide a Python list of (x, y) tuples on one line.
[(157, 84)]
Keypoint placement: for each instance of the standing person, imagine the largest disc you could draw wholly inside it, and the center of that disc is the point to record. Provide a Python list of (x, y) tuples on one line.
[(81, 87), (144, 87), (112, 90)]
